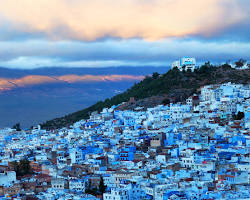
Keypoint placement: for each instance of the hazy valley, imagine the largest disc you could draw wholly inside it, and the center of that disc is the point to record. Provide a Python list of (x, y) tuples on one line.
[(32, 99)]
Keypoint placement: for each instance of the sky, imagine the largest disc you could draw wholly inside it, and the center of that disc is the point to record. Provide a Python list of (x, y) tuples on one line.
[(101, 33)]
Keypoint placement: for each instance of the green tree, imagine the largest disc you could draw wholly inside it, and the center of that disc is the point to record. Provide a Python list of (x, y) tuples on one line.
[(239, 116), (226, 66), (92, 191), (102, 187), (183, 68), (155, 75), (22, 168), (204, 69), (241, 62), (166, 102), (15, 166), (17, 126), (208, 64)]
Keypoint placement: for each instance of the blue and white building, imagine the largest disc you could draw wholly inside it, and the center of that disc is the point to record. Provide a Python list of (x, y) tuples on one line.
[(185, 63)]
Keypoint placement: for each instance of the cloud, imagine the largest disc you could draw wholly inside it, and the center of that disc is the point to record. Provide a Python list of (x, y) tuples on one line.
[(132, 52), (9, 84), (90, 20), (99, 33)]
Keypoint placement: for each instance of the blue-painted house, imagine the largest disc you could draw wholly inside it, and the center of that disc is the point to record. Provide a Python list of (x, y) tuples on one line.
[(127, 153)]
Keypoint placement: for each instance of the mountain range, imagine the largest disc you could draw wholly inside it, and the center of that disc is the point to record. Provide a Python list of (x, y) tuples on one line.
[(32, 96)]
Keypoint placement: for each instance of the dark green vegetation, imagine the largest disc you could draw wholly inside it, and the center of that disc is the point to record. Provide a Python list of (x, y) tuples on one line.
[(102, 187), (239, 116), (240, 63), (172, 86), (97, 191), (17, 126), (22, 168)]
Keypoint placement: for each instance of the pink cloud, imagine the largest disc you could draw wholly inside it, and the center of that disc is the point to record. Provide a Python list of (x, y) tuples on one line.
[(148, 19), (8, 84)]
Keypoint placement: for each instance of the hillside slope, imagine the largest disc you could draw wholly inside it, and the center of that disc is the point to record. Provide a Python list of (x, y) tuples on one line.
[(173, 85)]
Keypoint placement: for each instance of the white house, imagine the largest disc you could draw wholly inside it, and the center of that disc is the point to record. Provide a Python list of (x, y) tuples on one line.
[(58, 183), (116, 194), (185, 63), (77, 185), (7, 178)]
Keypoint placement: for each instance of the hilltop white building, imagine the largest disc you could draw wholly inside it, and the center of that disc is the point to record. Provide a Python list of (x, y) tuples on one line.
[(185, 63)]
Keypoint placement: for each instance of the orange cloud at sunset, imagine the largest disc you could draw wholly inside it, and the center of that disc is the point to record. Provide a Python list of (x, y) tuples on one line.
[(88, 78), (148, 19), (8, 84)]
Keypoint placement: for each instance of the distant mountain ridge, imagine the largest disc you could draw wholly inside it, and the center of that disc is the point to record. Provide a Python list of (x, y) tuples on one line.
[(30, 80), (15, 78), (32, 96), (153, 90), (60, 71)]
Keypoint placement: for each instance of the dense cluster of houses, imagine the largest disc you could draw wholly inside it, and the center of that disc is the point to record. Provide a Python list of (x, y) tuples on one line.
[(199, 149)]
